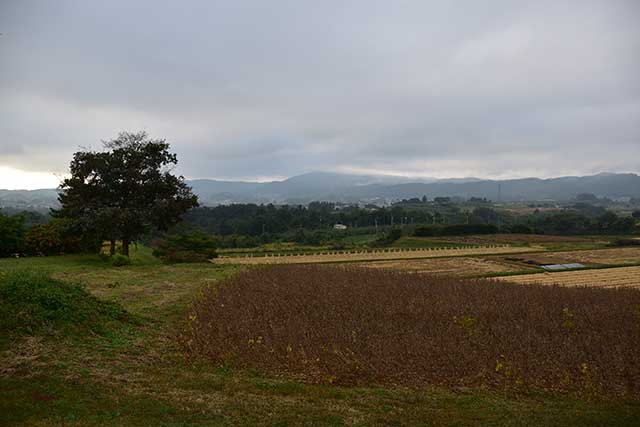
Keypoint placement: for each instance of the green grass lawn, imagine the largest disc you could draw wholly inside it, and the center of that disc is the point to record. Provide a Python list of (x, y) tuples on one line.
[(135, 375)]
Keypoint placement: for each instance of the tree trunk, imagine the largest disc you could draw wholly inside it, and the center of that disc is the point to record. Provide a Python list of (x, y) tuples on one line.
[(125, 246), (112, 248)]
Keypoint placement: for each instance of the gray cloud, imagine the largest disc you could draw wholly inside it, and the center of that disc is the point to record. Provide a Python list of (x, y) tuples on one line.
[(258, 89)]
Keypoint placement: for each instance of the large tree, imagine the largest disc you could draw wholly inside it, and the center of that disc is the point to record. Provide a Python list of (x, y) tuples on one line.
[(125, 191)]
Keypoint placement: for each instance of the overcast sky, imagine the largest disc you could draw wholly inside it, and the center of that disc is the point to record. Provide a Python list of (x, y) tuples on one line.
[(263, 89)]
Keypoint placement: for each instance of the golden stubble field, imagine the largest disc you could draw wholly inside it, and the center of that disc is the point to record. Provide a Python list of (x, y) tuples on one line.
[(630, 255), (376, 255), (627, 277)]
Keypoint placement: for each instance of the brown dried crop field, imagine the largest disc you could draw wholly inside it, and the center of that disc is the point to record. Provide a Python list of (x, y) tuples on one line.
[(455, 266), (376, 255), (620, 277), (349, 325), (628, 255)]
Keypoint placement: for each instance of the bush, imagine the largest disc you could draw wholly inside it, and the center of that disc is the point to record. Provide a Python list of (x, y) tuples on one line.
[(349, 325), (193, 247), (11, 234), (50, 239), (520, 229), (43, 240), (32, 301), (626, 242), (455, 230), (119, 260), (391, 236)]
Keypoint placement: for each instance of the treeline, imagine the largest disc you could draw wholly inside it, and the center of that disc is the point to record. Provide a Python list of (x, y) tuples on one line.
[(261, 221), (18, 236), (250, 225), (571, 222), (256, 220), (559, 223), (455, 230)]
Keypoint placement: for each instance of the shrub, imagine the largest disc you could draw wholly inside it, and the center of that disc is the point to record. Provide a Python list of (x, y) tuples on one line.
[(119, 260), (51, 239), (11, 234), (32, 301), (427, 231), (391, 236), (520, 229), (349, 325), (193, 247), (455, 230), (625, 242), (43, 239)]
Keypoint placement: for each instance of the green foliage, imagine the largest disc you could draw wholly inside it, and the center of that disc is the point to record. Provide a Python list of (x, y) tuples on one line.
[(468, 323), (31, 217), (187, 247), (455, 230), (573, 223), (30, 302), (259, 220), (43, 239), (520, 229), (626, 242), (11, 234), (483, 214), (126, 191), (389, 238), (119, 260), (247, 225), (51, 239)]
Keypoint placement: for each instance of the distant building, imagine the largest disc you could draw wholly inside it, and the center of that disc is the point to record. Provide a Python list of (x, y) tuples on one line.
[(340, 227)]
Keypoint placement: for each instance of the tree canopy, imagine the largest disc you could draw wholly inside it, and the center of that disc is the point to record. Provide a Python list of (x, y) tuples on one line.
[(124, 191), (11, 234)]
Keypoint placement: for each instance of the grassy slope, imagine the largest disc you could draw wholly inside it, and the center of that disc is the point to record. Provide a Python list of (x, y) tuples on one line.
[(135, 376)]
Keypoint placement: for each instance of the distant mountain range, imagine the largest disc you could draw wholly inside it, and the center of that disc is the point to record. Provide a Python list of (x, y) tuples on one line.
[(379, 189)]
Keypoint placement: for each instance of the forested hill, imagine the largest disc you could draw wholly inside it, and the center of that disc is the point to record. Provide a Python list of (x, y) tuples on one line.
[(357, 188), (375, 189)]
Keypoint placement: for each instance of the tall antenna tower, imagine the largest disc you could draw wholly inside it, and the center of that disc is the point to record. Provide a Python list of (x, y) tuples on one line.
[(499, 192)]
